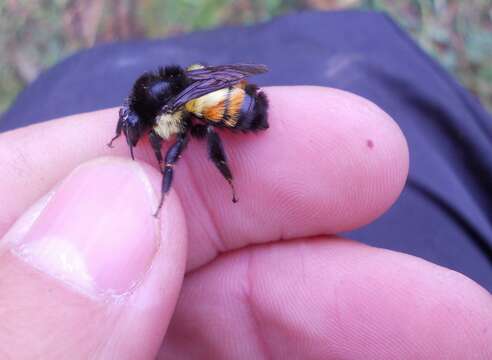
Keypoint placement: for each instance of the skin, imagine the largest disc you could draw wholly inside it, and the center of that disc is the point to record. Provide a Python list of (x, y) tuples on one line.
[(263, 278)]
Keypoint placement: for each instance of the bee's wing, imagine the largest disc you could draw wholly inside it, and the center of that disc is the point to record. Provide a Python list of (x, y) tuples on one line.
[(235, 72), (212, 78)]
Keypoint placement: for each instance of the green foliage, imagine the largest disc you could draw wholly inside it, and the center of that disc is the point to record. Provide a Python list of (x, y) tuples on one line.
[(458, 33), (36, 34)]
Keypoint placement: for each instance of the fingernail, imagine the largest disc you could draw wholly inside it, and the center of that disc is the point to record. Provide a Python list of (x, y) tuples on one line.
[(97, 232)]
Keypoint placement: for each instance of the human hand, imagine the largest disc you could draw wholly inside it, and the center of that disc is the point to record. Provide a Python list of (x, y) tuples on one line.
[(87, 272)]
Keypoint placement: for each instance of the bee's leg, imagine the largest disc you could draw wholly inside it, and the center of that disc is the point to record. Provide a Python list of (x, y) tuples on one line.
[(218, 156), (172, 156), (119, 128), (198, 131), (156, 143)]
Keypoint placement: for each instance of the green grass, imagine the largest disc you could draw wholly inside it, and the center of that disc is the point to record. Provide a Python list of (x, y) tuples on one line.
[(37, 34)]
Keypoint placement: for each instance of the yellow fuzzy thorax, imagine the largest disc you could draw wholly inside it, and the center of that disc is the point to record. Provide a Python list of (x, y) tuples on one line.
[(168, 125)]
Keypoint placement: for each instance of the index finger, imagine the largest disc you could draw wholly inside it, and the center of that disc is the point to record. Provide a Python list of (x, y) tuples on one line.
[(330, 162)]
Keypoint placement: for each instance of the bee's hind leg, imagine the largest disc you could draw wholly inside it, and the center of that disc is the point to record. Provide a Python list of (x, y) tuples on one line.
[(172, 156), (217, 155)]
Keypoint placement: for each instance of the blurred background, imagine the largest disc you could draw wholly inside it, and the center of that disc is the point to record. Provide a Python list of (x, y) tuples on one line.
[(36, 34)]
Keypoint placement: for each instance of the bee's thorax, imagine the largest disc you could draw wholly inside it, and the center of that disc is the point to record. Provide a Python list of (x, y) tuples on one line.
[(168, 125)]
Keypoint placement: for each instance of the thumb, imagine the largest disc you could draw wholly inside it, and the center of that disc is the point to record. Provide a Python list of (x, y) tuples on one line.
[(88, 272)]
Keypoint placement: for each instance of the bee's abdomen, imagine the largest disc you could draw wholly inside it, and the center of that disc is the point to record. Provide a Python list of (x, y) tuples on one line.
[(244, 108), (210, 107), (240, 107), (253, 114)]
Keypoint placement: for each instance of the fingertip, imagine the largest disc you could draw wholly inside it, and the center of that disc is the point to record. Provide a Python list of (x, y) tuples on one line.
[(357, 151), (330, 162)]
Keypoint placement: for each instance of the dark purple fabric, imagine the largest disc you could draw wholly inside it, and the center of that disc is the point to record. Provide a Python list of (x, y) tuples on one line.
[(445, 212)]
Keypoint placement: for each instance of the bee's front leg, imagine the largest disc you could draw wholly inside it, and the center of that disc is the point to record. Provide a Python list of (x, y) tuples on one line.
[(172, 156), (156, 143)]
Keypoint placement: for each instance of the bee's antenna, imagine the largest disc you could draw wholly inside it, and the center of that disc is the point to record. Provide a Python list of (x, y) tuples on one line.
[(119, 128), (110, 144)]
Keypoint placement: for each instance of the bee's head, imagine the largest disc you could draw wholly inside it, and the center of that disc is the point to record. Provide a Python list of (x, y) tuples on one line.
[(131, 125)]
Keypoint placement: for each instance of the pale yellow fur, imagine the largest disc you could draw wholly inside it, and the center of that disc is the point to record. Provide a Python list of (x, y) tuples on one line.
[(168, 125)]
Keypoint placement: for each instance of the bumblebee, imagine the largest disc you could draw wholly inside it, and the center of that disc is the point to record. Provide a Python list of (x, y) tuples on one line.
[(176, 103)]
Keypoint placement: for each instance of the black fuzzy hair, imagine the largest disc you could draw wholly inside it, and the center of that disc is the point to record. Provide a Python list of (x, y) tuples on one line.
[(152, 90), (258, 120)]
